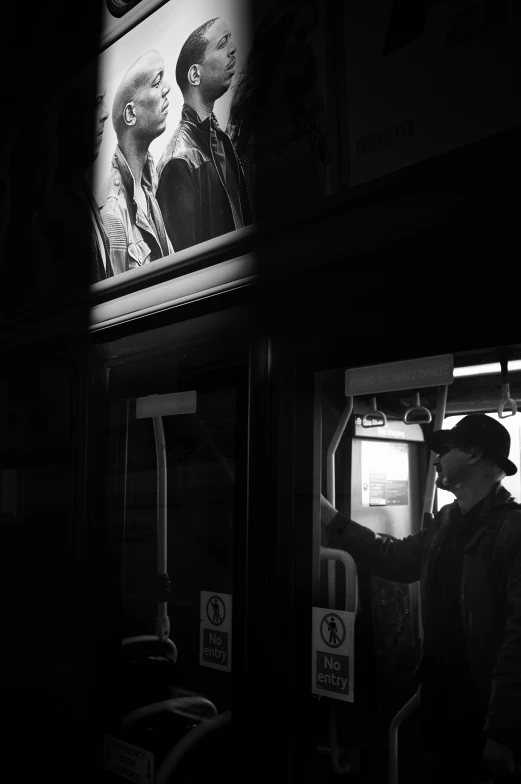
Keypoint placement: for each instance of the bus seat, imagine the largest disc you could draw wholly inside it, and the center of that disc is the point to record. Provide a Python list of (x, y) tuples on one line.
[(149, 645), (193, 707), (148, 674), (192, 759)]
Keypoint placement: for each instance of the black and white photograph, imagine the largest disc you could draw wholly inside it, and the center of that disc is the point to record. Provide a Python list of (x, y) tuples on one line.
[(221, 121), (260, 392)]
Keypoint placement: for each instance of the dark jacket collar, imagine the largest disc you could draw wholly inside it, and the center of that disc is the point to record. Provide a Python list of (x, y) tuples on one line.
[(190, 115), (498, 499), (474, 523), (498, 496)]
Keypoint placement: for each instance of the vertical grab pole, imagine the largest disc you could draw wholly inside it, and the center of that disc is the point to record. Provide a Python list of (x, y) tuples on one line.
[(441, 405), (428, 504), (333, 446), (162, 620), (330, 475), (430, 489)]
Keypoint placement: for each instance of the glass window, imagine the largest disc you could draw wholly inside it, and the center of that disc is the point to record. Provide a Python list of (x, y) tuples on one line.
[(40, 603), (176, 425), (374, 466)]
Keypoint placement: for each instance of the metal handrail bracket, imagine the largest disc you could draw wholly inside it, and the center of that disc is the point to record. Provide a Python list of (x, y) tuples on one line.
[(328, 554), (394, 728)]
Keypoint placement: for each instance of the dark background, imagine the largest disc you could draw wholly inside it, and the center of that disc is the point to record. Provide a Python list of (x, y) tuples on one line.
[(443, 281)]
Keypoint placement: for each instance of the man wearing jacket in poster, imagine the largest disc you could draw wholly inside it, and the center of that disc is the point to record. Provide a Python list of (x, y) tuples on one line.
[(201, 188), (129, 209), (468, 563)]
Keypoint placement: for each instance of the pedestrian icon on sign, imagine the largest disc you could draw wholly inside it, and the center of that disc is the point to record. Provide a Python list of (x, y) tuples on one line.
[(215, 610), (333, 636), (332, 630)]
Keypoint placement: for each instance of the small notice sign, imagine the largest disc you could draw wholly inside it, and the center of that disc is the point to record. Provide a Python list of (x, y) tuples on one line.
[(333, 654), (385, 473), (128, 761), (413, 374), (215, 647)]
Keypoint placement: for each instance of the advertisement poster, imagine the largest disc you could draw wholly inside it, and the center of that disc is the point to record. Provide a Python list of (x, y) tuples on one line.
[(212, 115), (428, 76)]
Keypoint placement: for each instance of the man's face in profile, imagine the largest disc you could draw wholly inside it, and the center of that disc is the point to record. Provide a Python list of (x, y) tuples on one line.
[(150, 100), (218, 66)]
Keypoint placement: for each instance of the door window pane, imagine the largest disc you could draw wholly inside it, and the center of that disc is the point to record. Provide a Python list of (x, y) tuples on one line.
[(176, 423)]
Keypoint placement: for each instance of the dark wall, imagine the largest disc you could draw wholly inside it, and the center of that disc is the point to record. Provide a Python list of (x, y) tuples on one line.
[(43, 45)]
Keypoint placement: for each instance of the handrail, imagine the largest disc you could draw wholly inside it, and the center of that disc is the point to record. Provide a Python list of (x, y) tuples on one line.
[(328, 554), (393, 734), (430, 486), (331, 482), (333, 446), (439, 416), (372, 414), (428, 503), (179, 705), (175, 756), (418, 407), (347, 561), (162, 620), (506, 400)]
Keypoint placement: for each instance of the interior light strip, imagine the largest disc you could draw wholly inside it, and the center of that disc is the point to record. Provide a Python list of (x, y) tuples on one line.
[(485, 370)]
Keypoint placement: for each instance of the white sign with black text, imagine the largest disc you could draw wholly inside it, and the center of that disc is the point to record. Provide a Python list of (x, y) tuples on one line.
[(333, 654), (128, 761), (215, 647)]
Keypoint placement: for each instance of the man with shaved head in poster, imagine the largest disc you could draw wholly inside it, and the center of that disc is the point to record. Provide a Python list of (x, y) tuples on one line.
[(129, 210), (201, 188)]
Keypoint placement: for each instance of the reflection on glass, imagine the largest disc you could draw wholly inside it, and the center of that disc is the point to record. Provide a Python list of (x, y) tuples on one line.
[(277, 113), (386, 485), (177, 469), (77, 247), (511, 483)]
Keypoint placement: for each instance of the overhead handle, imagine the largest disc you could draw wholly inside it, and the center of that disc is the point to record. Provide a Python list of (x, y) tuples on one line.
[(506, 400), (368, 420), (423, 415)]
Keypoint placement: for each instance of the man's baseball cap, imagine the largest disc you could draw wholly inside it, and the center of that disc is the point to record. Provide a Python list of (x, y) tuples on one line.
[(479, 430)]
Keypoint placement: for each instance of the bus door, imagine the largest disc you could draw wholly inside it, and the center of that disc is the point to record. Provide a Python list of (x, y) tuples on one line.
[(372, 462), (387, 469), (377, 477), (176, 419), (485, 382)]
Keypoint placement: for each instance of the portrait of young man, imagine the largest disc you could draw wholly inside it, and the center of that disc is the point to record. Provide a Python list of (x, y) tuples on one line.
[(201, 189), (129, 209)]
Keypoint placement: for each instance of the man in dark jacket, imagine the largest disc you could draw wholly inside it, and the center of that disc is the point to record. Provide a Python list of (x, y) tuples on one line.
[(201, 189), (469, 566)]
